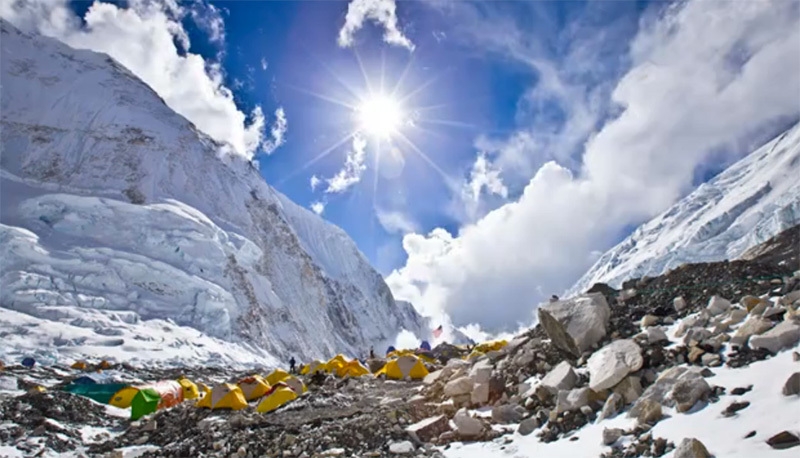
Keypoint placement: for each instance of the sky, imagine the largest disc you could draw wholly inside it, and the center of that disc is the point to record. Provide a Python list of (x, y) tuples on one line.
[(481, 154)]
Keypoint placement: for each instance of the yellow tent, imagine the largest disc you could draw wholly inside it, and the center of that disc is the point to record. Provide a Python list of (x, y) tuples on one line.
[(352, 369), (474, 354), (79, 365), (312, 367), (492, 345), (124, 397), (224, 396), (104, 365), (296, 384), (253, 387), (276, 376), (190, 390), (279, 396), (399, 353), (404, 366), (334, 364)]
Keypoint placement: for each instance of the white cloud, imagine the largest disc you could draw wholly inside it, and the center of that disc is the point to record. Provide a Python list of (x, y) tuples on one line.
[(264, 63), (382, 12), (209, 18), (396, 222), (142, 37), (406, 340), (315, 181), (317, 207), (704, 76), (353, 168)]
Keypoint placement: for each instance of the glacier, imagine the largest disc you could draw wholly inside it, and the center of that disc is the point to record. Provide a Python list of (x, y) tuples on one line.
[(126, 232), (746, 204)]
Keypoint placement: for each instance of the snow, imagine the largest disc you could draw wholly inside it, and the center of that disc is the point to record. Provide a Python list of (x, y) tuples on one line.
[(745, 205), (126, 233)]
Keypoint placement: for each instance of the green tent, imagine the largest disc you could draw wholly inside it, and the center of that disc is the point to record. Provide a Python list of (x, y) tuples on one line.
[(145, 402), (100, 392)]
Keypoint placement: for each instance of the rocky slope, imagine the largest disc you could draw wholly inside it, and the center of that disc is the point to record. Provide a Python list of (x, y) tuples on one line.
[(751, 201), (119, 219), (695, 363)]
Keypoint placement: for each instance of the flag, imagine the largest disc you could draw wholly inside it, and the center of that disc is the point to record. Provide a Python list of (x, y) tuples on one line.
[(437, 332)]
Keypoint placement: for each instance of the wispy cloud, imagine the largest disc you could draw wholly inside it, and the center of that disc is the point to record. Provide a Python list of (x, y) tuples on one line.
[(396, 222), (702, 76), (264, 63), (381, 12), (353, 168), (143, 38), (314, 182)]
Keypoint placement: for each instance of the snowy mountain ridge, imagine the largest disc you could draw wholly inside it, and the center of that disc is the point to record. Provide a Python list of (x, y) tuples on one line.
[(754, 199), (120, 219)]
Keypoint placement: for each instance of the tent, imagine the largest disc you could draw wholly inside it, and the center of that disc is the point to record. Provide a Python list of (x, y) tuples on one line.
[(100, 392), (278, 396), (144, 402), (404, 366), (425, 356), (84, 380), (79, 365), (277, 376), (475, 354), (124, 397), (312, 367), (253, 387), (352, 369), (492, 345), (28, 362), (425, 345), (104, 365), (190, 390), (224, 396), (296, 384), (336, 363), (390, 349)]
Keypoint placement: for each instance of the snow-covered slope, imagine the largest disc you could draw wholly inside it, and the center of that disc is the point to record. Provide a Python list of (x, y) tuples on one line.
[(751, 201), (115, 211)]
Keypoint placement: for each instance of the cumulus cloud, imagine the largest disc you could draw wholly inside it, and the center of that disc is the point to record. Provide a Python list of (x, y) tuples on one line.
[(149, 39), (382, 12), (396, 222), (703, 77), (353, 168), (406, 340), (317, 207)]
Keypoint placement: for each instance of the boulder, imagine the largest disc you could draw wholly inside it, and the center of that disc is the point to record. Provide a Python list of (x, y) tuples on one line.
[(576, 324), (613, 405), (718, 305), (562, 377), (459, 386), (750, 302), (649, 320), (528, 426), (630, 388), (507, 413), (429, 428), (789, 299), (432, 377), (401, 448), (691, 448), (655, 335), (711, 360), (480, 394), (467, 426), (783, 440), (609, 365), (481, 372), (573, 399), (792, 385), (753, 326), (661, 390), (736, 316), (649, 412), (688, 391), (694, 321), (611, 435), (786, 334), (679, 303)]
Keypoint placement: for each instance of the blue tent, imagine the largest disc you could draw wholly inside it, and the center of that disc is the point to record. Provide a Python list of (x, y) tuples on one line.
[(28, 362), (84, 380), (390, 349), (425, 345)]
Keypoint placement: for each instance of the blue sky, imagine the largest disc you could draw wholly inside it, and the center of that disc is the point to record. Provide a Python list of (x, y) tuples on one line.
[(542, 133)]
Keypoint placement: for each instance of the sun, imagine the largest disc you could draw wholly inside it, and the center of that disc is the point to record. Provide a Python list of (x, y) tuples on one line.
[(380, 115)]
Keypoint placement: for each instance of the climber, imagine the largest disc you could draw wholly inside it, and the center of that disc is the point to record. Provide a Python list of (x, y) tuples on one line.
[(291, 365), (553, 298), (371, 352)]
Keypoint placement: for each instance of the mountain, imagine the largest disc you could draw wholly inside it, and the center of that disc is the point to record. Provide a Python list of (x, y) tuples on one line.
[(751, 201), (126, 231)]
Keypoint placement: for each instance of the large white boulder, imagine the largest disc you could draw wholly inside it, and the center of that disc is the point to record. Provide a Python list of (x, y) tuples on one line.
[(609, 365), (459, 386), (562, 377), (481, 372), (718, 305), (784, 335), (467, 426), (753, 326), (576, 324)]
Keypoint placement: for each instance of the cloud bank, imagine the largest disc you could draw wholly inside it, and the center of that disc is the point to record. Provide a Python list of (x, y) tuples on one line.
[(703, 77), (149, 39)]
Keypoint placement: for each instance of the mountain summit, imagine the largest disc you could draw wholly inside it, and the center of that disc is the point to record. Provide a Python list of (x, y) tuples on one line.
[(125, 229)]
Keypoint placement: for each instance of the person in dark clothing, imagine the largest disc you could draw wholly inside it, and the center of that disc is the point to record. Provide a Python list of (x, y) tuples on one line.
[(291, 365), (371, 352), (553, 298)]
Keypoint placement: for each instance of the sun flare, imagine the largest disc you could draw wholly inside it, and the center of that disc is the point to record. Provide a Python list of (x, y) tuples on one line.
[(380, 115)]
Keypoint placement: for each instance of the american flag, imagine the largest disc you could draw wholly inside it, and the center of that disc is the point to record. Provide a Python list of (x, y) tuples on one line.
[(437, 332)]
